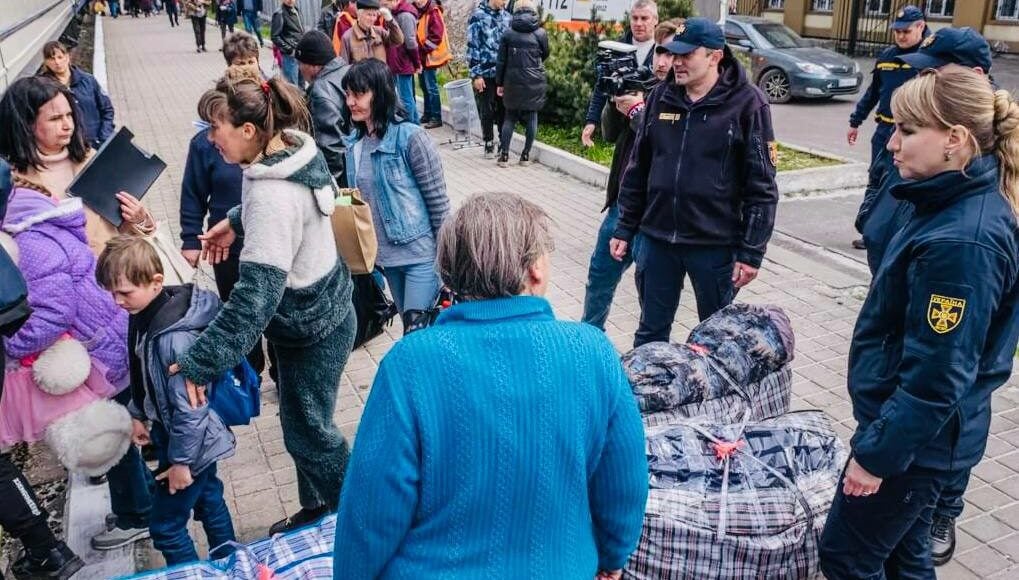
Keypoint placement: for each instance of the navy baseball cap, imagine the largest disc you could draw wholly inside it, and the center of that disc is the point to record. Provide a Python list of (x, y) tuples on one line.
[(906, 16), (693, 33), (963, 46)]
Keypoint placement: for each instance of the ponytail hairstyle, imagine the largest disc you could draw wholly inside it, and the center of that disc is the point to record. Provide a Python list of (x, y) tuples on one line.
[(958, 96), (241, 96)]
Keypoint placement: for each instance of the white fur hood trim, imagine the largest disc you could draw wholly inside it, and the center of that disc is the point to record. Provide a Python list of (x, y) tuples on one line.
[(7, 243), (287, 167), (65, 207)]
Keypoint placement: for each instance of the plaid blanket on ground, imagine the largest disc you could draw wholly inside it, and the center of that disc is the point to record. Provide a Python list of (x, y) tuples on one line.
[(303, 553), (757, 514)]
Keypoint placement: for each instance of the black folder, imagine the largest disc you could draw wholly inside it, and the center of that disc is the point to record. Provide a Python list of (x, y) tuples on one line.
[(119, 165)]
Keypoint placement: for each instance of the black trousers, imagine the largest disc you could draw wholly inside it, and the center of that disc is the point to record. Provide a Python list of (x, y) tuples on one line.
[(490, 110), (661, 267), (227, 274), (885, 535), (21, 515), (198, 24)]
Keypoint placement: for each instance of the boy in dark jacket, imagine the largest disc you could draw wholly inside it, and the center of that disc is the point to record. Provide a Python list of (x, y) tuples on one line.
[(188, 438)]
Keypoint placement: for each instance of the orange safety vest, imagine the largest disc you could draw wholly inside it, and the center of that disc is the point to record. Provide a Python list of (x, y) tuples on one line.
[(337, 37), (441, 54)]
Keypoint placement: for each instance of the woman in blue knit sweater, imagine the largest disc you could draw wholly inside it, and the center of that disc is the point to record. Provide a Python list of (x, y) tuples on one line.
[(500, 442)]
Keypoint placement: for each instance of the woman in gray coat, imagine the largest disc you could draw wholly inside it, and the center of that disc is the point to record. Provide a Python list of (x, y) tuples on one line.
[(520, 77)]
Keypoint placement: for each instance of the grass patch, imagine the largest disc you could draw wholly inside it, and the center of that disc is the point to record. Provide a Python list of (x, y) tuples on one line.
[(568, 139)]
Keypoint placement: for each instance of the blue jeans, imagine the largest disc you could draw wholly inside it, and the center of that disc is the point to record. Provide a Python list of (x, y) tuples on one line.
[(114, 8), (291, 72), (131, 484), (950, 501), (430, 89), (414, 286), (405, 88), (171, 513), (251, 23), (661, 267), (885, 535), (604, 272)]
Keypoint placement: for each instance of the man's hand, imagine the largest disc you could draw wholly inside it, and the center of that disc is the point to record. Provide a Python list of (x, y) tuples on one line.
[(742, 274), (857, 482), (587, 134), (618, 248), (191, 256), (139, 433), (626, 102), (178, 477), (479, 85), (196, 393), (217, 241), (852, 135)]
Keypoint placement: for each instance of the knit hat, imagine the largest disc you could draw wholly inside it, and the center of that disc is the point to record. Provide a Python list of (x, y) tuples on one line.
[(315, 48)]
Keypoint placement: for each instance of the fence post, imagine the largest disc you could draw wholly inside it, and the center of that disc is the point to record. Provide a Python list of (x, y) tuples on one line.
[(854, 25)]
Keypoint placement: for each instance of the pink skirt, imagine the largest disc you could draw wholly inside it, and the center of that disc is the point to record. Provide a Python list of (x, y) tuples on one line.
[(26, 410)]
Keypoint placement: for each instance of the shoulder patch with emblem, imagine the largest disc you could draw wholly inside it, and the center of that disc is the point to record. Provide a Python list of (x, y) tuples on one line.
[(773, 152), (944, 313), (927, 41)]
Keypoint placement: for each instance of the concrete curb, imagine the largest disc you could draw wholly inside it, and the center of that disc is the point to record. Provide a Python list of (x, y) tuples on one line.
[(791, 184)]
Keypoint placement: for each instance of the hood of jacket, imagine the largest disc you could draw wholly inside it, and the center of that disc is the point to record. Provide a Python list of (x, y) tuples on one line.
[(405, 6), (525, 21), (731, 79), (27, 208), (184, 311), (302, 164)]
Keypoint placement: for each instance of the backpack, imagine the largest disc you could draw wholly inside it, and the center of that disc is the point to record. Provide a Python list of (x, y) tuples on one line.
[(236, 395)]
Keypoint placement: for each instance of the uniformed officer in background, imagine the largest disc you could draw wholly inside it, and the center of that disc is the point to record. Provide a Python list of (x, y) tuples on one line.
[(909, 30), (700, 185)]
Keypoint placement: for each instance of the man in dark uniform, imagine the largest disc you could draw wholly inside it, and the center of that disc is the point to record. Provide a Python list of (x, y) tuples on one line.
[(909, 29), (700, 186), (966, 47)]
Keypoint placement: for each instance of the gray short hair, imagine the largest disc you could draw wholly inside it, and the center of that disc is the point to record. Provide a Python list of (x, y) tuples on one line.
[(650, 4), (485, 249)]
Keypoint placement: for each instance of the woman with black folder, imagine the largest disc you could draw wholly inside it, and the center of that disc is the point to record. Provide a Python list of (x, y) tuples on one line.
[(45, 144)]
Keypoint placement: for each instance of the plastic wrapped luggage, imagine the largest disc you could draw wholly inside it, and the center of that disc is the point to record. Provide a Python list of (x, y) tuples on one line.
[(733, 502), (733, 363)]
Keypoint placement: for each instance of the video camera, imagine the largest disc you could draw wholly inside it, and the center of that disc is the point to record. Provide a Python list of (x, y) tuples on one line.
[(618, 70)]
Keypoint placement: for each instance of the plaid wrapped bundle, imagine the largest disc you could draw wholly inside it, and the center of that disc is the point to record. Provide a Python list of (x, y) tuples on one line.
[(303, 553), (734, 362), (746, 510)]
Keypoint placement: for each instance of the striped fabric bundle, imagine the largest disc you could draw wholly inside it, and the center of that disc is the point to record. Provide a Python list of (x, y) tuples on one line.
[(303, 553), (738, 501)]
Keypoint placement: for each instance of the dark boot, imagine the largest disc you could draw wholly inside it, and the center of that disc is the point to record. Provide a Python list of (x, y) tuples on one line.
[(57, 563), (503, 159), (525, 159), (300, 519), (942, 539)]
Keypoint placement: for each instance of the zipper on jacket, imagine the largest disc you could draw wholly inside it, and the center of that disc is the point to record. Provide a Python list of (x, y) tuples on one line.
[(674, 237)]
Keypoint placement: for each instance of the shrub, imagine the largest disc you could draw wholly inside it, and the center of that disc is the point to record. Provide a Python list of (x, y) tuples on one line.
[(571, 72)]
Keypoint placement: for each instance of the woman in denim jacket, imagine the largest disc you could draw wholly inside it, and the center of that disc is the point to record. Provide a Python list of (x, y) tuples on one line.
[(396, 166)]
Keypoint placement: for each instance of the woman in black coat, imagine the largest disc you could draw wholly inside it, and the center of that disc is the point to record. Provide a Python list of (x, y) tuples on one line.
[(520, 77)]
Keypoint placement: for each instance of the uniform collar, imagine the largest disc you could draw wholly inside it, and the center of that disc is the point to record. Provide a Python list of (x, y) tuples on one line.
[(498, 309), (937, 192)]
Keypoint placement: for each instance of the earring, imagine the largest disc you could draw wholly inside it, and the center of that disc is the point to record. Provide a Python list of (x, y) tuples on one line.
[(948, 154)]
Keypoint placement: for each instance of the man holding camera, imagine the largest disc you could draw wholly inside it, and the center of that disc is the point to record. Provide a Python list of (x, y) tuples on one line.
[(643, 20), (620, 119), (700, 185)]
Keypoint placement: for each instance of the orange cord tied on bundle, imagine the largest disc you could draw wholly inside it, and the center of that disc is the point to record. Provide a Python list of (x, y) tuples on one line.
[(726, 449)]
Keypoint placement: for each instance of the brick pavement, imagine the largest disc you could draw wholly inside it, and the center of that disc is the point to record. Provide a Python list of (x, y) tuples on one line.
[(155, 81)]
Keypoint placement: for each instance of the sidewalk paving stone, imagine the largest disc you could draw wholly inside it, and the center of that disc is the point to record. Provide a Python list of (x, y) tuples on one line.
[(156, 79)]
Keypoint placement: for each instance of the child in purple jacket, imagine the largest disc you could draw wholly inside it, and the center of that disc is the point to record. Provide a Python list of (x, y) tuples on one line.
[(72, 350)]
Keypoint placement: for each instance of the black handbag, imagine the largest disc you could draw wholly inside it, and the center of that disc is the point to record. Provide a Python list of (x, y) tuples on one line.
[(374, 309), (414, 320)]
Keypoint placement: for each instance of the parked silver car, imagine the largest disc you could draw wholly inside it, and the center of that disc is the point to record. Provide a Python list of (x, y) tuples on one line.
[(784, 65)]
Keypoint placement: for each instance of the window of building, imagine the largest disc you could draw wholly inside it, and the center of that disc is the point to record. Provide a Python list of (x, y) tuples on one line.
[(879, 6), (1007, 10), (944, 8), (776, 4), (822, 5)]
